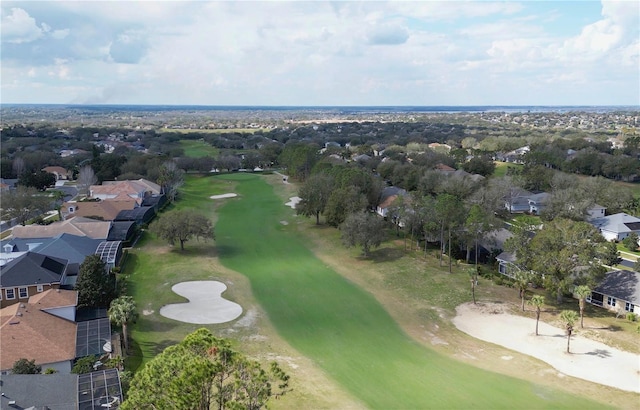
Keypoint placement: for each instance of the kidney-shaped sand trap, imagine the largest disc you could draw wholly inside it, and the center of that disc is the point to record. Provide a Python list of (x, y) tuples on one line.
[(206, 304)]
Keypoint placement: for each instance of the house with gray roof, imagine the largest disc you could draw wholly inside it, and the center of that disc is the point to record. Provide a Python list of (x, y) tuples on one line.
[(618, 226), (39, 391), (30, 274), (619, 290)]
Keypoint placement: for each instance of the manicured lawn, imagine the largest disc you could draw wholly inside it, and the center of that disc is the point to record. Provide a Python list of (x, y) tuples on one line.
[(501, 168), (197, 148), (343, 328)]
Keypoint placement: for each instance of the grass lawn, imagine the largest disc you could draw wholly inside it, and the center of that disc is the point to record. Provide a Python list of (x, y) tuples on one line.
[(501, 168), (318, 309), (343, 328), (197, 149)]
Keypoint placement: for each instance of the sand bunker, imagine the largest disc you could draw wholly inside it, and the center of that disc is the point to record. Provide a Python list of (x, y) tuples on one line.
[(206, 304), (589, 360), (222, 196), (293, 201)]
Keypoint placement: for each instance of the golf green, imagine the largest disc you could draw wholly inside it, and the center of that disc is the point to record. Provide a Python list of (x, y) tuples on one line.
[(343, 328)]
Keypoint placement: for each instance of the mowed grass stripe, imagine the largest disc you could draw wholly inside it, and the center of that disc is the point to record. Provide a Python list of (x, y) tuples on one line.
[(343, 328)]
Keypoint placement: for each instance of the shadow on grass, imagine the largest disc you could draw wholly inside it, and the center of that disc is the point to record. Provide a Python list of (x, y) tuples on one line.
[(135, 356), (382, 255)]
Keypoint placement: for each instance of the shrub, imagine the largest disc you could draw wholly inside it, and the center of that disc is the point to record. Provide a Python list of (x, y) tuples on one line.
[(632, 317)]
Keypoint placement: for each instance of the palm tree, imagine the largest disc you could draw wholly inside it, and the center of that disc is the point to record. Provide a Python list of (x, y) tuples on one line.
[(569, 318), (121, 312), (582, 292), (537, 301), (473, 275), (521, 282)]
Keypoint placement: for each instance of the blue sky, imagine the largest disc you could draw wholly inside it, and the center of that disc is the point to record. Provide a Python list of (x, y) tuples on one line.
[(321, 53)]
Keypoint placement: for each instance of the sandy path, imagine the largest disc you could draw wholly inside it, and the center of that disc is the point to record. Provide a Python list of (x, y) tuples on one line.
[(589, 360)]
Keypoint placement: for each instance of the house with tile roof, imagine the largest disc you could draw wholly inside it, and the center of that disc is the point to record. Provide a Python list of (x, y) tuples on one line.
[(136, 189), (105, 210), (78, 225), (30, 274), (31, 333), (616, 227), (59, 172)]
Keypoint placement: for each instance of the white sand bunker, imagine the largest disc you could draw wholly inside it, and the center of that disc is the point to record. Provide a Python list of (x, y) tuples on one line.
[(491, 323), (293, 201), (222, 196), (206, 304)]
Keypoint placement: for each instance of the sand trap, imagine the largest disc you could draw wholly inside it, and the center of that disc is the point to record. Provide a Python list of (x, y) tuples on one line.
[(206, 304), (589, 360), (222, 196), (293, 201)]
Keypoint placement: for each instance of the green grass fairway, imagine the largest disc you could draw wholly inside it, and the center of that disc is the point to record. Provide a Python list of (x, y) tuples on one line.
[(197, 149), (343, 328)]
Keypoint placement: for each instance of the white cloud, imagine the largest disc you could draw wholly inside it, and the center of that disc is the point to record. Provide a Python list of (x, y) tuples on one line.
[(19, 27)]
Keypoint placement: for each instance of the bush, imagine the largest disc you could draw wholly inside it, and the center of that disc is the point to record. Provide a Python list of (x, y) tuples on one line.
[(632, 317)]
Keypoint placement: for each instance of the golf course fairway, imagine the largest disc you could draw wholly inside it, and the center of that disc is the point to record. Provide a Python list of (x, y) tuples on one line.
[(343, 328)]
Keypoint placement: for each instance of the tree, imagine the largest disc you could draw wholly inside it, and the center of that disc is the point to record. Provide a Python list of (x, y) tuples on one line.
[(582, 292), (18, 167), (314, 195), (473, 277), (631, 241), (86, 178), (521, 282), (477, 224), (96, 287), (170, 178), (564, 251), (24, 366), (122, 311), (364, 229), (569, 318), (24, 203), (609, 254), (40, 180), (203, 371), (84, 365), (183, 225), (342, 202), (449, 213), (537, 301)]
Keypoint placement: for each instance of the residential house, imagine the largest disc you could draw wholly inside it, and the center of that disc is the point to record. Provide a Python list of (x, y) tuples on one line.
[(76, 226), (39, 391), (506, 264), (619, 290), (137, 189), (596, 211), (105, 210), (523, 201), (387, 198), (59, 172), (29, 274), (31, 333), (616, 227), (537, 202), (444, 169), (89, 391), (73, 248)]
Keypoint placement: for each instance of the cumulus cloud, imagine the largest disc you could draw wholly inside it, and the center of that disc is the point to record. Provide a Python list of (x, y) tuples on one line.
[(19, 27)]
